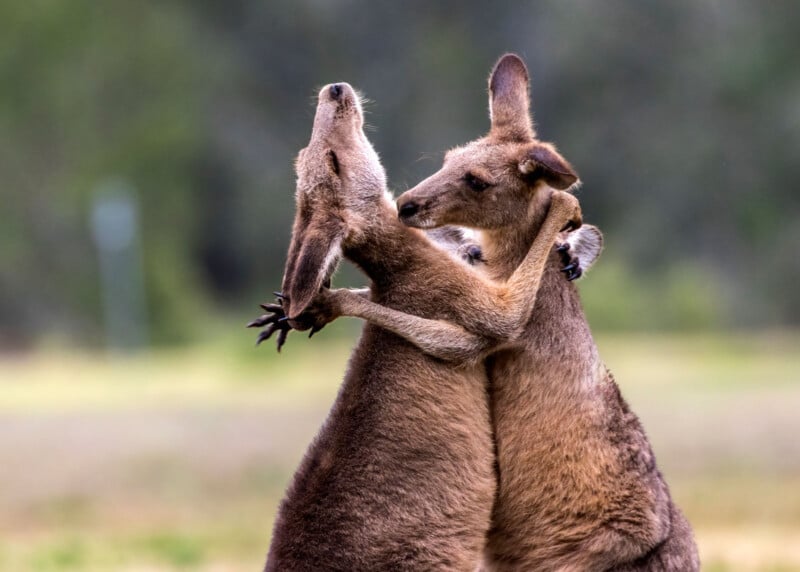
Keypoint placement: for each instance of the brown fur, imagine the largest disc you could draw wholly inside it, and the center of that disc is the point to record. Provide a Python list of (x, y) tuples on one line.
[(401, 475), (578, 484)]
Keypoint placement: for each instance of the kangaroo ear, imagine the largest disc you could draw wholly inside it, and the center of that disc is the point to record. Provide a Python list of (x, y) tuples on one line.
[(586, 243), (509, 108), (314, 253), (544, 162)]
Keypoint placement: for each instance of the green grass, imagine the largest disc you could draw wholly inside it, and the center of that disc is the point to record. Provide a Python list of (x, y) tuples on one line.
[(176, 460)]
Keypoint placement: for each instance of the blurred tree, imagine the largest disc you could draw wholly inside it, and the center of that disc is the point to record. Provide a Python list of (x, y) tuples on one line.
[(682, 118)]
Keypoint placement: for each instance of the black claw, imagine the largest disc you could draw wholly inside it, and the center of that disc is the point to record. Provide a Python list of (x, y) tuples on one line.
[(280, 296), (282, 320), (266, 334), (263, 321), (314, 330), (271, 307), (563, 247), (575, 275), (570, 267), (282, 338)]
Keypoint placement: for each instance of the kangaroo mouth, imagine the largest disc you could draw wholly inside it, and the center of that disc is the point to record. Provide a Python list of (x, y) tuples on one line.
[(418, 222)]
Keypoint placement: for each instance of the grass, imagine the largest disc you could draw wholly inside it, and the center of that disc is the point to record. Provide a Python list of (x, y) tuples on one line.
[(176, 460)]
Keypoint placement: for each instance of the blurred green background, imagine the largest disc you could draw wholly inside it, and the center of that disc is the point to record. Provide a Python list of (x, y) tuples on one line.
[(146, 198)]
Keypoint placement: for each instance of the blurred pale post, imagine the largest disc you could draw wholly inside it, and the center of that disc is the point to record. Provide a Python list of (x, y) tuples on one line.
[(115, 228)]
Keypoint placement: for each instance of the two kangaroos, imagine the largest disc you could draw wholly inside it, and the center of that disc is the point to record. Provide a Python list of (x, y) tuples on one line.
[(401, 476), (577, 485)]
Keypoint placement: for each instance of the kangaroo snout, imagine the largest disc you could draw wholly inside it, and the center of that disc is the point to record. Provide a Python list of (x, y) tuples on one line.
[(340, 92)]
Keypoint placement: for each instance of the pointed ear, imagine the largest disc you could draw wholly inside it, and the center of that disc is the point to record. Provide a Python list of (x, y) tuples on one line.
[(314, 253), (509, 107), (543, 162), (586, 244)]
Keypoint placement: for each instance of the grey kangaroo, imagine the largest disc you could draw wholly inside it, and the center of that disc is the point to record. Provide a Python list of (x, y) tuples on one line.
[(401, 475), (578, 486)]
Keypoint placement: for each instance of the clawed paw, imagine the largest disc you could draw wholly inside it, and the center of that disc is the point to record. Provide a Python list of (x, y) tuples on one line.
[(572, 264), (274, 320)]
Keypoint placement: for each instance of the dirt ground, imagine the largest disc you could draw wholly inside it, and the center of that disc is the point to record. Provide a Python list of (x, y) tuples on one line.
[(177, 461)]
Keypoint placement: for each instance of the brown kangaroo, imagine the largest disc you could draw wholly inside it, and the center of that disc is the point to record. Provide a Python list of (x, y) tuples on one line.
[(578, 486), (401, 475)]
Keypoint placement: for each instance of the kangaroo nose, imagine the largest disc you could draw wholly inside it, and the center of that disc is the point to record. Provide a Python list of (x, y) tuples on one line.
[(335, 91), (408, 209)]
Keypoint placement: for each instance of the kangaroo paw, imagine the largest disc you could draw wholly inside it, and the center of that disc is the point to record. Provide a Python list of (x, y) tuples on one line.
[(275, 320), (572, 265)]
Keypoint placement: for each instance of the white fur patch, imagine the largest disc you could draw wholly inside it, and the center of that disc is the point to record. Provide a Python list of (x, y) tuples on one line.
[(388, 198), (331, 259), (586, 243)]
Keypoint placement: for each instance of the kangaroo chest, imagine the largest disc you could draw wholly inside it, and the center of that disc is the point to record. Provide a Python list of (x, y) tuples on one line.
[(572, 458)]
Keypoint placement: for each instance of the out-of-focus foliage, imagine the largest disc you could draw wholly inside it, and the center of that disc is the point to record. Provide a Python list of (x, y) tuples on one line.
[(683, 119)]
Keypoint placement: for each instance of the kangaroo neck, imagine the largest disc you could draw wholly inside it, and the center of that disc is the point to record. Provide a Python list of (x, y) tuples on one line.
[(384, 247), (505, 248)]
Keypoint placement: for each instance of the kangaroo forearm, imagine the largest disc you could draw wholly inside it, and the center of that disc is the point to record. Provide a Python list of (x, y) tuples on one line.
[(437, 338), (523, 286), (502, 311)]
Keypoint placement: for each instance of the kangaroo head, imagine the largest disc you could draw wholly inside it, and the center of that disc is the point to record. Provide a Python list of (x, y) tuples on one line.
[(490, 182), (339, 180)]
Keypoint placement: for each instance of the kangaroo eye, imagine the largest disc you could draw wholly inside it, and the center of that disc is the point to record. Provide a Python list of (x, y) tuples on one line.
[(475, 183)]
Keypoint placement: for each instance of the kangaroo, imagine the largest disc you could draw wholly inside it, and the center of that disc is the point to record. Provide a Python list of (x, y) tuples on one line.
[(401, 475), (578, 485)]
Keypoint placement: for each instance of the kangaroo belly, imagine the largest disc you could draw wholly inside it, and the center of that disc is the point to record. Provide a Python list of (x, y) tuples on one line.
[(401, 475), (578, 488)]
